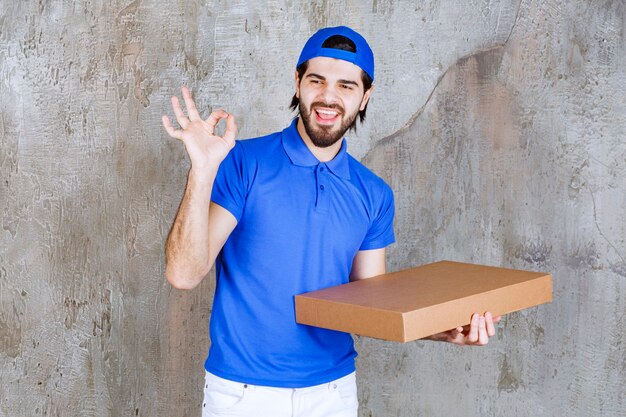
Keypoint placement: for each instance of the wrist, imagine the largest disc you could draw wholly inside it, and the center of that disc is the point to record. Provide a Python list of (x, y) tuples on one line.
[(202, 177)]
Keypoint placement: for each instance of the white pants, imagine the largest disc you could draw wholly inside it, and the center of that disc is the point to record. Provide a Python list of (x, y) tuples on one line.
[(225, 398)]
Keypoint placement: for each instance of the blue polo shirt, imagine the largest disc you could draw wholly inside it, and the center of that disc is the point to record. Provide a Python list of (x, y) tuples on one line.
[(300, 224)]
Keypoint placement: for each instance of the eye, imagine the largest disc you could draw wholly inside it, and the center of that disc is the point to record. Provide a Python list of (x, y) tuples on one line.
[(346, 86)]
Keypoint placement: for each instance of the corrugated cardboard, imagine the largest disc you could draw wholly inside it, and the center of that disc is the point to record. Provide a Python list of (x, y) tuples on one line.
[(419, 302)]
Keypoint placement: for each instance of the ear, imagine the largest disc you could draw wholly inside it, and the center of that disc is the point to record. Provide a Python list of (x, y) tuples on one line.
[(366, 97), (297, 79)]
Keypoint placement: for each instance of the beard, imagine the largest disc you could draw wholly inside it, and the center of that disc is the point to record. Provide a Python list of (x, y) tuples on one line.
[(325, 136)]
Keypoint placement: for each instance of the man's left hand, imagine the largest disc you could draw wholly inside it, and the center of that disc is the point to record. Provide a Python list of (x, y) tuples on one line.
[(480, 329)]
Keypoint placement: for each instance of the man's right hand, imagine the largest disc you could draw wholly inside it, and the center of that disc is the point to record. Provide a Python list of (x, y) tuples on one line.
[(206, 150)]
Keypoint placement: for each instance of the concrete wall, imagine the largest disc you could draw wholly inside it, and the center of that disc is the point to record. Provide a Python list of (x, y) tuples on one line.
[(501, 126)]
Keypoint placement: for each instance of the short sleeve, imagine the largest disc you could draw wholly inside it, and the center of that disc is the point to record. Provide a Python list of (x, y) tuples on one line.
[(230, 186), (380, 234)]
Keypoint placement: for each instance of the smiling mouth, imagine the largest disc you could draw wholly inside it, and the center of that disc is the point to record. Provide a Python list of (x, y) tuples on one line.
[(326, 115)]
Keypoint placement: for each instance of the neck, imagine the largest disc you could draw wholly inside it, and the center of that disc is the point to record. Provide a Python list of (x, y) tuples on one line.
[(322, 154)]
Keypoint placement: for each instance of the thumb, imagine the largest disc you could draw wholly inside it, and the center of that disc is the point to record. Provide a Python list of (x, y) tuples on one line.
[(231, 129)]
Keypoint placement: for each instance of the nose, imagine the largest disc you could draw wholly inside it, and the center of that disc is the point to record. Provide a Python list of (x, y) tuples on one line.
[(329, 94)]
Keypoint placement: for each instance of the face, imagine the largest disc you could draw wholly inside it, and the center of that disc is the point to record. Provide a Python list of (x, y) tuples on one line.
[(330, 96)]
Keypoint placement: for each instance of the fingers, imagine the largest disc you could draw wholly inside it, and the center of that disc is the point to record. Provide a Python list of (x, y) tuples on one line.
[(455, 336), (472, 337), (478, 331), (192, 111), (491, 330), (176, 134), (231, 129), (215, 117), (182, 120), (483, 339), (481, 328)]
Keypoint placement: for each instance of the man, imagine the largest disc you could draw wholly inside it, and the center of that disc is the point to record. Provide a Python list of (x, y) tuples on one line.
[(281, 215)]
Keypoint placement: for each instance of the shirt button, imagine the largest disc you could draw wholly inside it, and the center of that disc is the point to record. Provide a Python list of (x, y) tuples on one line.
[(321, 169), (322, 187)]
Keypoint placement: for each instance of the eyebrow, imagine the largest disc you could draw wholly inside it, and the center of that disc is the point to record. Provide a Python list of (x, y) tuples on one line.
[(313, 75)]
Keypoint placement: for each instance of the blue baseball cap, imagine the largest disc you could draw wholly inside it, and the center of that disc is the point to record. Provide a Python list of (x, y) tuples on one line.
[(363, 57)]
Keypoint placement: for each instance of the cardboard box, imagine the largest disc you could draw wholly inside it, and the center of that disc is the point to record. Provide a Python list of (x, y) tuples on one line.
[(418, 302)]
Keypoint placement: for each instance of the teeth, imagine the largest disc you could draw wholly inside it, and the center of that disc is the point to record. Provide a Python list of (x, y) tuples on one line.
[(328, 112)]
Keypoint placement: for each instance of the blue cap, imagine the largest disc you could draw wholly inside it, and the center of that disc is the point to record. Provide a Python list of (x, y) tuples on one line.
[(363, 58)]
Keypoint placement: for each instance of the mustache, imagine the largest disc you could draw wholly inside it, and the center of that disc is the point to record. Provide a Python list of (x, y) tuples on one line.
[(333, 106)]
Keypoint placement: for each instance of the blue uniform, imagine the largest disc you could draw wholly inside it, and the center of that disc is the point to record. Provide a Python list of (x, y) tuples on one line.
[(300, 224)]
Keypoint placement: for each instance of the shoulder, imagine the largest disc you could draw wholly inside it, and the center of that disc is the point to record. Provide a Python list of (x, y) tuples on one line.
[(260, 145), (247, 153), (365, 179)]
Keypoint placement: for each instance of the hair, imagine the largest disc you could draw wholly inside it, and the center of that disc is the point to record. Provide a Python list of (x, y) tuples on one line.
[(345, 44)]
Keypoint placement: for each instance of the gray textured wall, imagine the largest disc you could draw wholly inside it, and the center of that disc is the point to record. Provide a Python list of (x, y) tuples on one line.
[(501, 126)]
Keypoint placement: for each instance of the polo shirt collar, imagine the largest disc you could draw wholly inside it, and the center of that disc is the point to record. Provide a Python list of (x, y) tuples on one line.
[(300, 155)]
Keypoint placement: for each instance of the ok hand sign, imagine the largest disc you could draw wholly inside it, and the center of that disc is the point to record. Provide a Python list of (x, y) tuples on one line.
[(206, 150)]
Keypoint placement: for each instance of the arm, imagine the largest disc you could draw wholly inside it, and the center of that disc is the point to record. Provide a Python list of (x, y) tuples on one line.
[(200, 228), (367, 264)]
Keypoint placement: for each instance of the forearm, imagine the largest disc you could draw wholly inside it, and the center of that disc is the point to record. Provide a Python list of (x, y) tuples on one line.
[(187, 250)]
